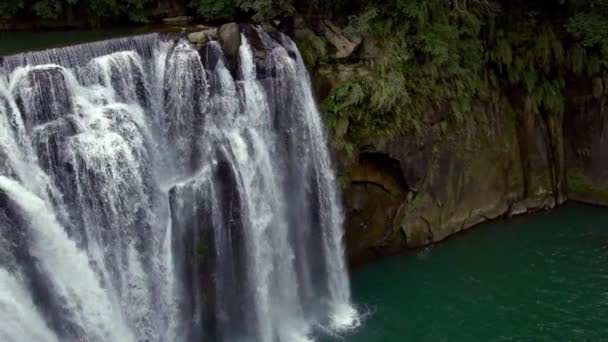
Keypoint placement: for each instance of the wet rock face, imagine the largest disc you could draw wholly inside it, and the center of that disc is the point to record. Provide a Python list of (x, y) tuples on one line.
[(260, 50), (5, 168), (9, 225), (373, 196), (412, 191), (415, 190), (42, 96), (230, 38), (586, 142)]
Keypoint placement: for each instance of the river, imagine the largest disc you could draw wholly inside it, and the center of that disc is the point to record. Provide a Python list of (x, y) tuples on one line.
[(537, 278)]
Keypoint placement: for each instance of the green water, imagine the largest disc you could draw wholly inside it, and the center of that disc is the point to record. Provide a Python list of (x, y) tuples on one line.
[(536, 278), (22, 41)]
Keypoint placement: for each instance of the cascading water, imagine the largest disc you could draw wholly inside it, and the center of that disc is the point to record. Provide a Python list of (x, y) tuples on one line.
[(151, 194)]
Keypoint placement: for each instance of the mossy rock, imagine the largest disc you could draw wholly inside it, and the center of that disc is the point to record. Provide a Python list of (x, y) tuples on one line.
[(582, 188), (312, 47)]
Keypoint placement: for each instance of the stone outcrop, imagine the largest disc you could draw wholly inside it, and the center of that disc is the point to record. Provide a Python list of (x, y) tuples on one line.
[(203, 36), (343, 45), (586, 147), (425, 188), (326, 41), (415, 190), (230, 37)]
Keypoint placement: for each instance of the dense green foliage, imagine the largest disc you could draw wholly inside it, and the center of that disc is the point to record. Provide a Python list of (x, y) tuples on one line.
[(259, 10), (95, 11), (430, 62), (438, 58)]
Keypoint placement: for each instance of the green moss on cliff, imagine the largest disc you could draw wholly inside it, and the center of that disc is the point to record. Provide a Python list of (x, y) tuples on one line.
[(580, 184)]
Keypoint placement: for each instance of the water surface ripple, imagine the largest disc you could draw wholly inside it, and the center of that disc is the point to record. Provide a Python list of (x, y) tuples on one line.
[(536, 278)]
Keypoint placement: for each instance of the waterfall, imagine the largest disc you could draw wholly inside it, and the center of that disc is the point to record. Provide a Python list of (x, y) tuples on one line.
[(153, 192)]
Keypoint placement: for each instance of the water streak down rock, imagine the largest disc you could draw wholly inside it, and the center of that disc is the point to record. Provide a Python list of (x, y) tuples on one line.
[(147, 193)]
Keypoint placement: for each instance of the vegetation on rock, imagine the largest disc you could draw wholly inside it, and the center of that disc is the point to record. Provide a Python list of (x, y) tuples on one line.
[(580, 184), (438, 57)]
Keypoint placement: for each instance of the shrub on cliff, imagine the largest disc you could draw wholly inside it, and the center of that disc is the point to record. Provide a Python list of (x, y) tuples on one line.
[(437, 57), (430, 61), (259, 10)]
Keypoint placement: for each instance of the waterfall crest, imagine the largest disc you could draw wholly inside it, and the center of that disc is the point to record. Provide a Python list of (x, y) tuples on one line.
[(149, 192)]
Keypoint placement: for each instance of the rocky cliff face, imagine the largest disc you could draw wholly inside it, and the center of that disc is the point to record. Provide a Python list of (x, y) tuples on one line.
[(416, 189), (586, 148), (412, 191)]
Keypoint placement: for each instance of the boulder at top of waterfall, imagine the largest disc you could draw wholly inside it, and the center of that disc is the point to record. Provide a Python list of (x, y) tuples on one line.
[(230, 38), (259, 45), (345, 46), (202, 37), (255, 39)]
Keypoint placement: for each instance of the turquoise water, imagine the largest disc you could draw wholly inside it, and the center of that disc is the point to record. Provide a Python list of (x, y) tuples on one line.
[(535, 278)]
